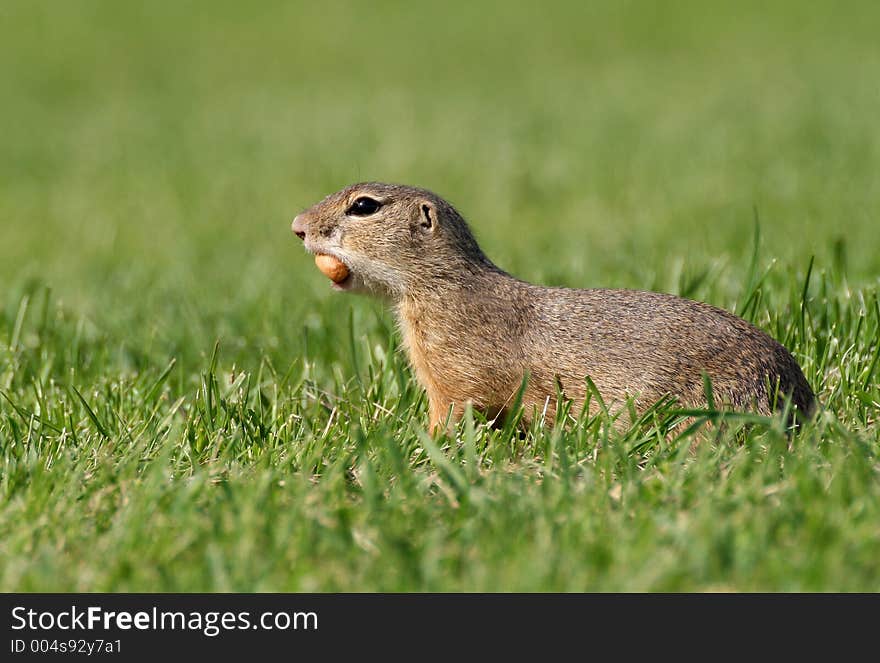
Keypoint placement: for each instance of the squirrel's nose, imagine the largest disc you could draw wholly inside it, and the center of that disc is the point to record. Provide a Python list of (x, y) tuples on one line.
[(299, 226)]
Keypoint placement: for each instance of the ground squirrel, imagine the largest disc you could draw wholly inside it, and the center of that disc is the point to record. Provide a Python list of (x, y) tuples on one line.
[(473, 332)]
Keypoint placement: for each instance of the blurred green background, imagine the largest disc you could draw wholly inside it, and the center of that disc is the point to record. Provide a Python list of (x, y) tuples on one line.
[(153, 155), (164, 147)]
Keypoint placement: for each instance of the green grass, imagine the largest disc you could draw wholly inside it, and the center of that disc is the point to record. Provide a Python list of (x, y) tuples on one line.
[(185, 405)]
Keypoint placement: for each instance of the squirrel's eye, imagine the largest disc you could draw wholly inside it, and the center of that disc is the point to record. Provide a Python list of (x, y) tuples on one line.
[(364, 206)]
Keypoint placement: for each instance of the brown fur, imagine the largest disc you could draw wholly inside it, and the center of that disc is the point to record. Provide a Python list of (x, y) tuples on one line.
[(472, 332)]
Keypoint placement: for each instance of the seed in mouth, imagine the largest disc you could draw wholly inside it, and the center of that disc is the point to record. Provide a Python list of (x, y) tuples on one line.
[(331, 267)]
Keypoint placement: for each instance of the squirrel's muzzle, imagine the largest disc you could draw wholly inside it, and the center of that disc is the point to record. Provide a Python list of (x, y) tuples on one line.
[(299, 226)]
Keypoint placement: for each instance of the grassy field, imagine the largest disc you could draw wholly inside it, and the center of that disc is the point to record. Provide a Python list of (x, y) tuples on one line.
[(185, 405)]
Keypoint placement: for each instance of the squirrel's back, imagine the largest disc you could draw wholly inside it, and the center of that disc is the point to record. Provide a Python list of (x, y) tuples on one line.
[(649, 345)]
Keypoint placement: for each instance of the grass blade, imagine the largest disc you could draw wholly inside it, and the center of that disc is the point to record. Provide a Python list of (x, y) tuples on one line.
[(91, 413)]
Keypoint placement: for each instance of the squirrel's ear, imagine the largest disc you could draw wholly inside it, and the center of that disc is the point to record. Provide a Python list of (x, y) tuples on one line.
[(428, 216)]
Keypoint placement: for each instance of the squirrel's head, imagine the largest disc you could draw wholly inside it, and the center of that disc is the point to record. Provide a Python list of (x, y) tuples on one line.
[(390, 238)]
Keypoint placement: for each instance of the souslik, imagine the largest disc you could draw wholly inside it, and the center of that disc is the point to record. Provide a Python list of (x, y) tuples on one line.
[(472, 332)]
